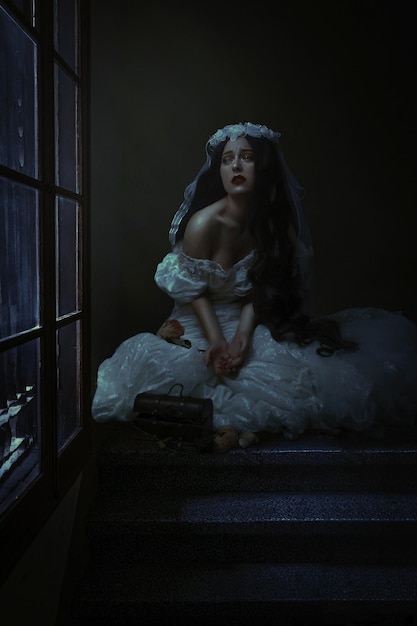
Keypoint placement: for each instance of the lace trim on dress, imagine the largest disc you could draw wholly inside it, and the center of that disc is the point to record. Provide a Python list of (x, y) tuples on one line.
[(199, 268)]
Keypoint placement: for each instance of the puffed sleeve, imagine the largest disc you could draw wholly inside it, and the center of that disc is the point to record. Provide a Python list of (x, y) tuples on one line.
[(181, 277)]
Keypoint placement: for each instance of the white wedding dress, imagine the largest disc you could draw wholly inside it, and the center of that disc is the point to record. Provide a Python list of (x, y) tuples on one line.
[(282, 387)]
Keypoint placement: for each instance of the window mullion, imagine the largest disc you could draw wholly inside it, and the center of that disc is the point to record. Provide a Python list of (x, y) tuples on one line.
[(48, 229)]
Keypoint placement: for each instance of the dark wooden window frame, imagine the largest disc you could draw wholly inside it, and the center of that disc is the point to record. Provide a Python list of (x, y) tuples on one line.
[(23, 520)]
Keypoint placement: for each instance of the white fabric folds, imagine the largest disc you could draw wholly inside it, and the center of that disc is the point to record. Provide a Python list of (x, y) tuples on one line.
[(282, 387)]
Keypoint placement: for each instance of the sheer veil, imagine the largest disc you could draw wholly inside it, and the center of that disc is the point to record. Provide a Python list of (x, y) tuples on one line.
[(295, 192)]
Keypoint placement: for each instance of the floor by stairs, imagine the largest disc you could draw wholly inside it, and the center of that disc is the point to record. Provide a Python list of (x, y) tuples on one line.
[(322, 530)]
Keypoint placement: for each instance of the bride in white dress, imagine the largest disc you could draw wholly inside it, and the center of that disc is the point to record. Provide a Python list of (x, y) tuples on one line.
[(239, 332)]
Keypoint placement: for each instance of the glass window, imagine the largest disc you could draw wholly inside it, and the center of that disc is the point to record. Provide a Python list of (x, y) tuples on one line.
[(18, 98), (19, 265), (19, 421), (44, 342), (67, 153), (67, 255), (68, 359), (66, 31)]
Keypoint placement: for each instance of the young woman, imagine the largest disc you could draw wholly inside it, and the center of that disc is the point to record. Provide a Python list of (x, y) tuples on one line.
[(240, 332)]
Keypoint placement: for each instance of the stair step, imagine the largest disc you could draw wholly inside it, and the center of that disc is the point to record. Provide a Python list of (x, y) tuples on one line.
[(322, 530), (247, 593), (234, 509), (254, 526), (317, 461)]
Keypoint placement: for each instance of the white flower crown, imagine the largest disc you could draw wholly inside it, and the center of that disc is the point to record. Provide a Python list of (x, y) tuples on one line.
[(233, 131)]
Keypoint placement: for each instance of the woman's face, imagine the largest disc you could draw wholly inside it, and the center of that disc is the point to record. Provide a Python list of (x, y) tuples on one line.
[(237, 168)]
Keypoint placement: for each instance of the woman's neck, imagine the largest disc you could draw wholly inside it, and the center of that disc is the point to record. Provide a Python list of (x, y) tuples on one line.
[(237, 209)]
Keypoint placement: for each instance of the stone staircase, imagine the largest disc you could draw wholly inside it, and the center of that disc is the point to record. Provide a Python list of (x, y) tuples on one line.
[(322, 530)]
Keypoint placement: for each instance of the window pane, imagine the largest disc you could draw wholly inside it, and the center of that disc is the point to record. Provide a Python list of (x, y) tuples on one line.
[(66, 31), (18, 98), (67, 271), (19, 421), (66, 131), (68, 357), (19, 245)]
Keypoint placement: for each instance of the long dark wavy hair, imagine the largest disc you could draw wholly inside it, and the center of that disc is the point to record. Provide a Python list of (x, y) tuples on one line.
[(278, 293)]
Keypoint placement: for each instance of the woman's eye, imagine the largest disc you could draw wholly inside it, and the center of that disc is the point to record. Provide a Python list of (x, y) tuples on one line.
[(246, 156)]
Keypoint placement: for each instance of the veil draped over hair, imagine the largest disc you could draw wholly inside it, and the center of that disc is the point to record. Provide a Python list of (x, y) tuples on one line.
[(295, 193)]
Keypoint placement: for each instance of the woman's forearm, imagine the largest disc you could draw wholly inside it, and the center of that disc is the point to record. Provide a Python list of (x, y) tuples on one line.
[(247, 321), (207, 318)]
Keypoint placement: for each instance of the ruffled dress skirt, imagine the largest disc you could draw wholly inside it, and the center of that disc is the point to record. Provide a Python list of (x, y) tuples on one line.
[(282, 387)]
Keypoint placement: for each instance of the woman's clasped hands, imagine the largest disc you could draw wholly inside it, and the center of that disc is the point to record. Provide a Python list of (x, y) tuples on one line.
[(226, 358)]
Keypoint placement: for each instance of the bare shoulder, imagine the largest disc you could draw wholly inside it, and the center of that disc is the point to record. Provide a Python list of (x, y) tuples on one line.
[(201, 231), (205, 219)]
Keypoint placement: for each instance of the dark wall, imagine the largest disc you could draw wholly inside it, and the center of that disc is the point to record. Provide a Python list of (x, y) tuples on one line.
[(336, 78)]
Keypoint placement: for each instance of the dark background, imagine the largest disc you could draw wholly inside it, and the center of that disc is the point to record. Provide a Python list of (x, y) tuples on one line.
[(337, 79)]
